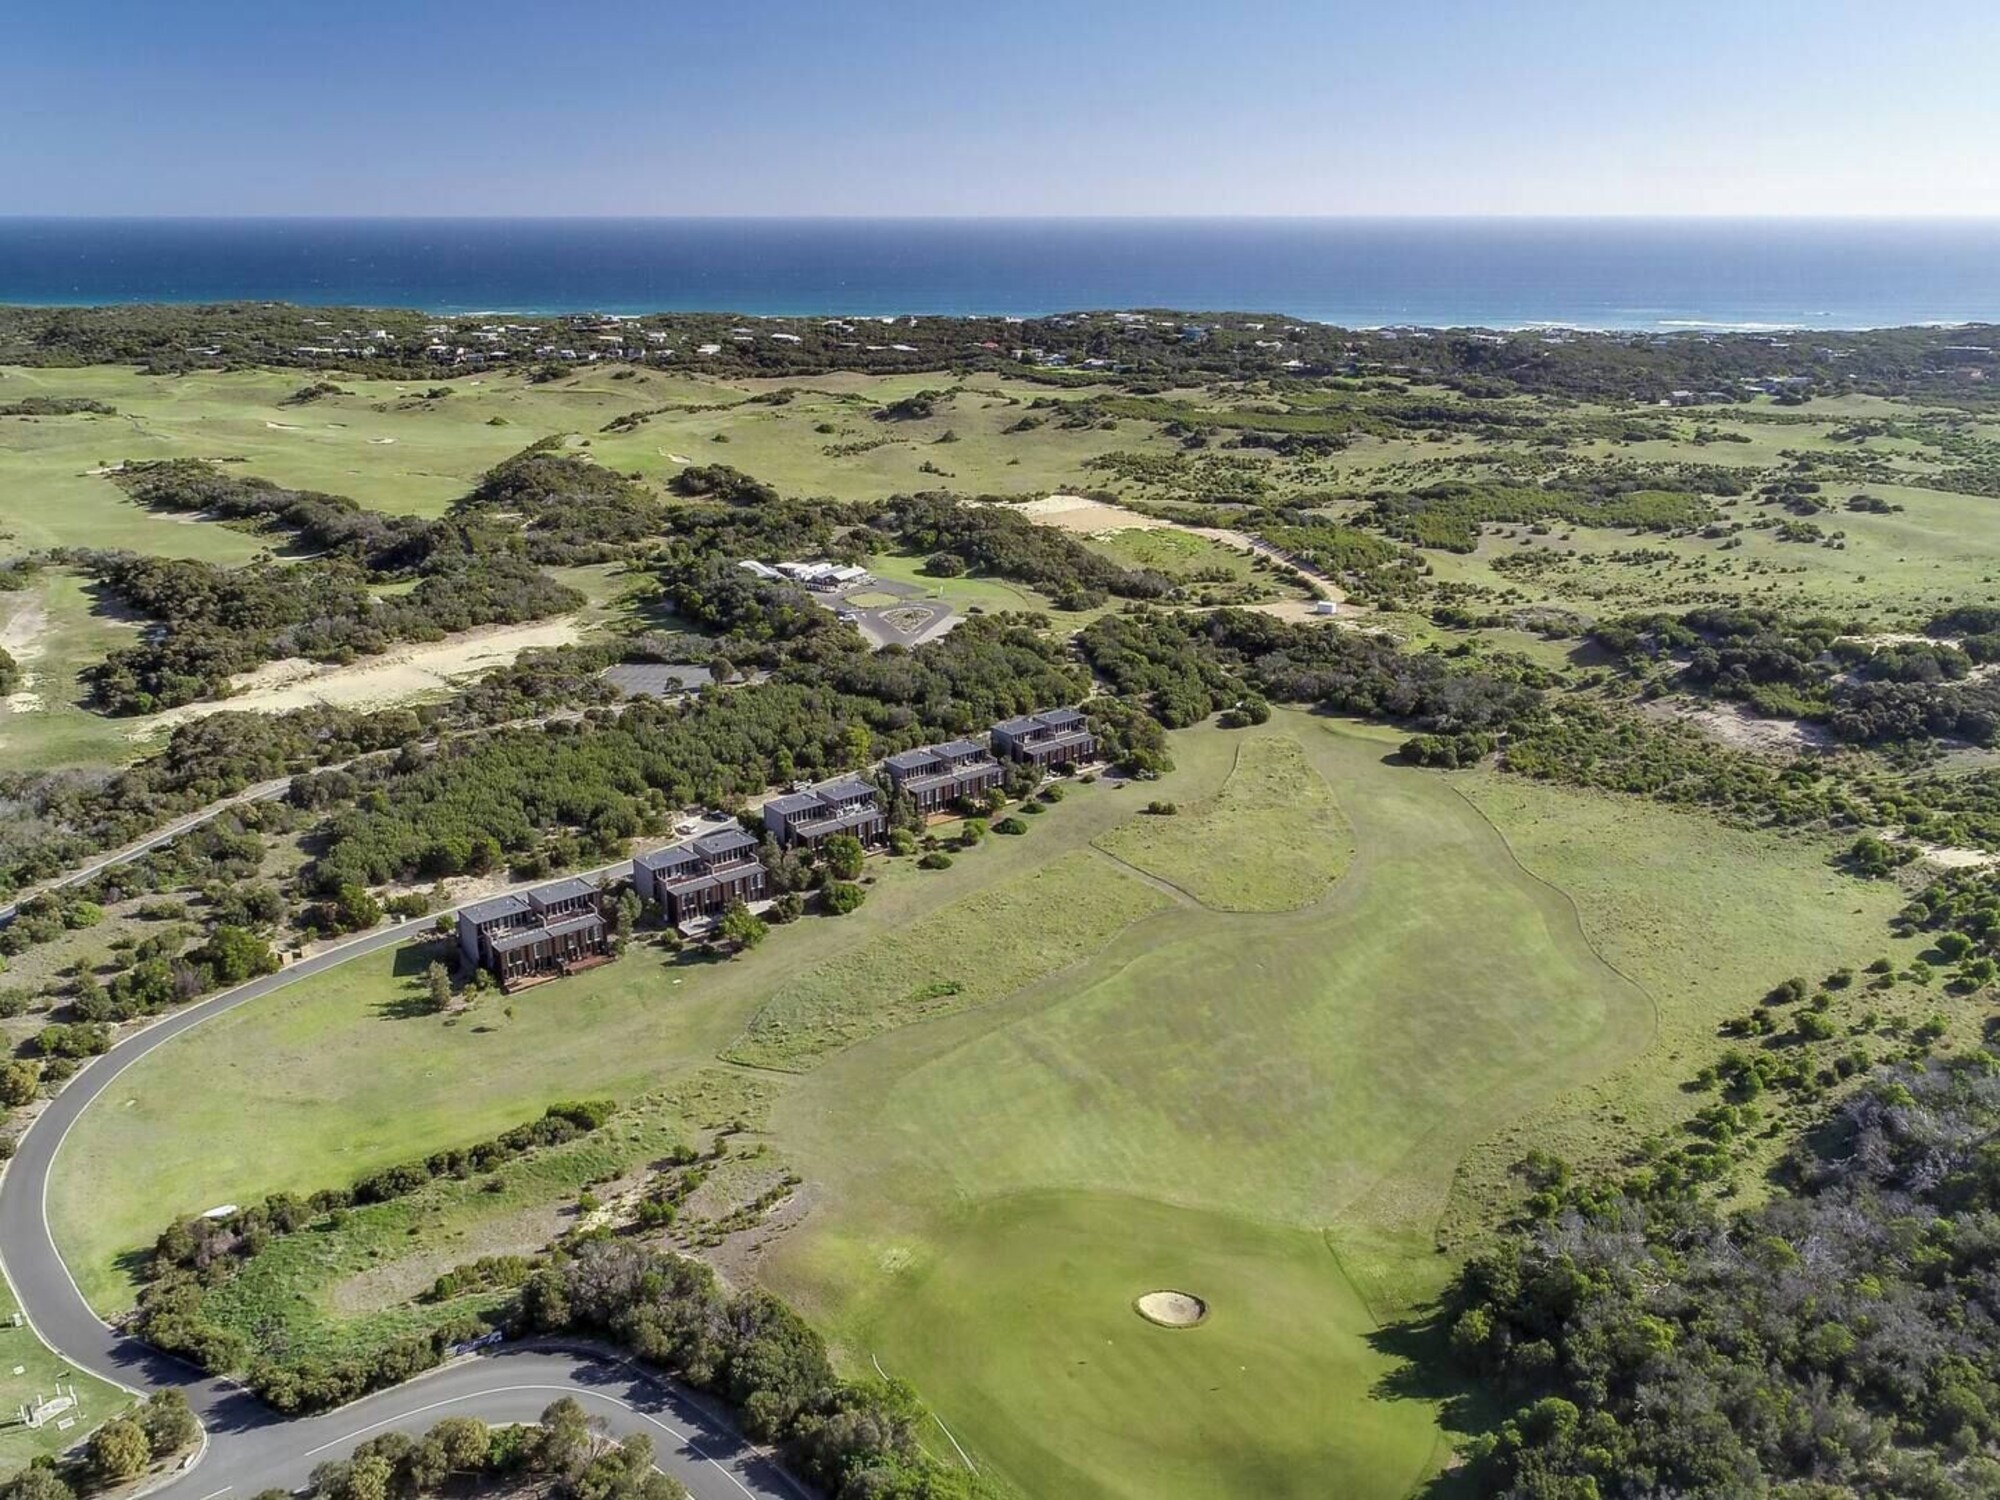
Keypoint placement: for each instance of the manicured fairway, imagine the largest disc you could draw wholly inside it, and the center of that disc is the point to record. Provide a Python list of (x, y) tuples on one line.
[(1270, 840), (1020, 1319), (1272, 1108)]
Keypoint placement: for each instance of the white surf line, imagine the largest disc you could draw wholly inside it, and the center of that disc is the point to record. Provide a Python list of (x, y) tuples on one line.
[(963, 1455), (502, 1390)]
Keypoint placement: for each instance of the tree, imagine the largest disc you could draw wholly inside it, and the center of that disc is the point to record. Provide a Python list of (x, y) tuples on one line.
[(437, 981), (627, 913), (233, 955), (564, 1444), (168, 1423), (841, 897), (119, 1450), (37, 1483), (843, 854), (463, 1442), (741, 927), (20, 1082)]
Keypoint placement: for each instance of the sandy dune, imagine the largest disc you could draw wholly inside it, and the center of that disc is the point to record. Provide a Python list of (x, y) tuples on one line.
[(1080, 513), (406, 672)]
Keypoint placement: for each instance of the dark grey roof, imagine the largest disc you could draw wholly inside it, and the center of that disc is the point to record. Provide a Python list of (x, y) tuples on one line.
[(694, 884), (911, 760), (956, 748), (834, 822), (580, 922), (509, 905), (792, 802), (519, 937), (669, 857), (1061, 718), (723, 842), (1015, 726), (845, 789), (562, 890)]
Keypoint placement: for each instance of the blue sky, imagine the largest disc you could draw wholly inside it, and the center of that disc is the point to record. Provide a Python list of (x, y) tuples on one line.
[(1005, 107)]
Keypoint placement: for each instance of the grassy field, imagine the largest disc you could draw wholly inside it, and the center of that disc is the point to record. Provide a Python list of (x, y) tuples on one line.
[(1036, 1087), (1705, 919), (29, 1369), (342, 1074), (1270, 840), (979, 949)]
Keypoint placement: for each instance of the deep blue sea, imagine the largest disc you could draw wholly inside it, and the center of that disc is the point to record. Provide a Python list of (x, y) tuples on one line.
[(1499, 273)]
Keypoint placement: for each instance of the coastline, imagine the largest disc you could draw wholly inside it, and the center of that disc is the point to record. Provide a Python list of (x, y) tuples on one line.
[(1504, 275)]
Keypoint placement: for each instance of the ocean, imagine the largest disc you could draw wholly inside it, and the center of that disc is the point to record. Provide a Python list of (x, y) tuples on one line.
[(1495, 273)]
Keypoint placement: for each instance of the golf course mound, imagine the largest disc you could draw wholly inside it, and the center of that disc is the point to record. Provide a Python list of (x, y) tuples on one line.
[(1171, 1309)]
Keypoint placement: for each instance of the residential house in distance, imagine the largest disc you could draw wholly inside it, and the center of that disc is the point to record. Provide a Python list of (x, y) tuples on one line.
[(936, 776), (805, 820), (701, 877), (547, 932), (1060, 737)]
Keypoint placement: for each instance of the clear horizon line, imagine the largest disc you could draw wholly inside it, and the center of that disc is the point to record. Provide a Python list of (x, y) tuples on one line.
[(1440, 216)]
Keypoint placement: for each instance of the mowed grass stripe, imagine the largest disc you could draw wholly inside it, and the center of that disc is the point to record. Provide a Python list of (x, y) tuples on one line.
[(1272, 840), (974, 951)]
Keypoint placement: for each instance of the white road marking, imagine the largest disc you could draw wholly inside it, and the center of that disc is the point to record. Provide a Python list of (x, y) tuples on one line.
[(567, 1390)]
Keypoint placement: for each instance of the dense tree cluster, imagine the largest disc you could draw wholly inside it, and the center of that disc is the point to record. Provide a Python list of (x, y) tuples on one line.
[(215, 622), (1186, 667), (1841, 1339), (1001, 542), (574, 793), (567, 509), (1867, 692), (1448, 515), (855, 1442), (565, 1456)]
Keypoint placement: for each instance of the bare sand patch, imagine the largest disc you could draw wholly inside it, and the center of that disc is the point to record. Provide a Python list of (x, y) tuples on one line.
[(1298, 610), (283, 426), (1738, 728), (405, 672), (21, 637), (1082, 514), (1171, 1309)]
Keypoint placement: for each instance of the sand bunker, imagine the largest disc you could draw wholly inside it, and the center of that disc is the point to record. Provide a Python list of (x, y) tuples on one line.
[(1171, 1309)]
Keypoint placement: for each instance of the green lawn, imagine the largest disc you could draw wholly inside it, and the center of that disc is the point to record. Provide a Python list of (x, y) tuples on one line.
[(1706, 919), (28, 1368), (1271, 840), (979, 949), (335, 1076), (1028, 1299), (1038, 1084)]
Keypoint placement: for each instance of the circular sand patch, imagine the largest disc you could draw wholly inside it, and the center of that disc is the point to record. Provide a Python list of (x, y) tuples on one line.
[(1171, 1309)]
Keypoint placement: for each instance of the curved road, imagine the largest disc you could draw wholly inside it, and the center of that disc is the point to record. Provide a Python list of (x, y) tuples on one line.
[(249, 1446)]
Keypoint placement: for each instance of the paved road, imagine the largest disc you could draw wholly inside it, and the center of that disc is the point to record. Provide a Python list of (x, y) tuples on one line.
[(250, 1447), (263, 791)]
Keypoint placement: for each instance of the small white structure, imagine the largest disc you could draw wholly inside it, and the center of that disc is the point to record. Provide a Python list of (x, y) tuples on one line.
[(758, 569), (45, 1409), (1325, 607)]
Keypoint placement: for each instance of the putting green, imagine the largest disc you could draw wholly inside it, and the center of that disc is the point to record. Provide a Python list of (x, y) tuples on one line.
[(1031, 1296)]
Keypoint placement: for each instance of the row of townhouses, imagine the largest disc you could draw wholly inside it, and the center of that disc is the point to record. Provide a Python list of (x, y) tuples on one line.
[(538, 934), (556, 929)]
